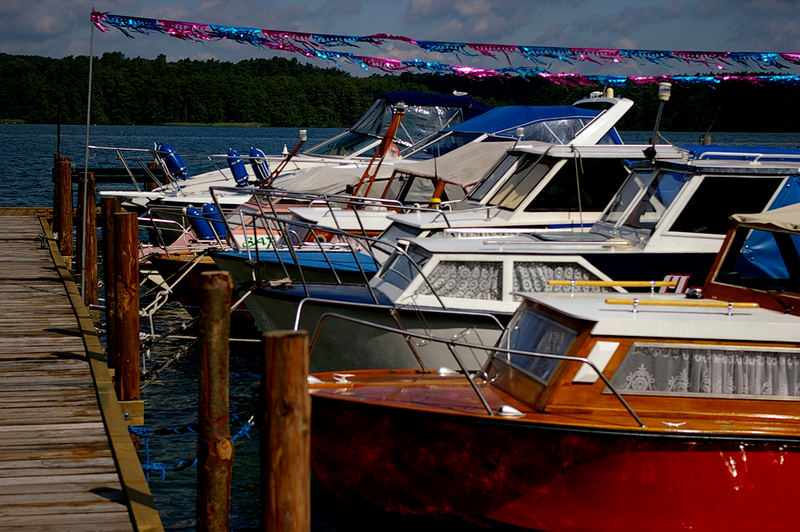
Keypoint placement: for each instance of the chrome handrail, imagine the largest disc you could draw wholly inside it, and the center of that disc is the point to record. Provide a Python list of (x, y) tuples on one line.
[(491, 349)]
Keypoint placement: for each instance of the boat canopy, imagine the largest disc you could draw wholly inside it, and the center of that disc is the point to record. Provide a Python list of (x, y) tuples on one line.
[(464, 166), (783, 219), (425, 115), (547, 123)]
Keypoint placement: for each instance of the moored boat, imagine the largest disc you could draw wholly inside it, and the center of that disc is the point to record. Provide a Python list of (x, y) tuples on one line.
[(590, 415), (667, 221)]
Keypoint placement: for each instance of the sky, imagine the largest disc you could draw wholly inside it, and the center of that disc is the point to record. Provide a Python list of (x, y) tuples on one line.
[(59, 28)]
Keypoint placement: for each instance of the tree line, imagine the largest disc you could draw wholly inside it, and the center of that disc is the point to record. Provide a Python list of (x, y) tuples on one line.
[(283, 92)]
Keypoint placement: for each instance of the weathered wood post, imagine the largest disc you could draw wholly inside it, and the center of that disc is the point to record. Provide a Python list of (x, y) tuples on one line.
[(214, 445), (285, 442), (109, 207), (126, 312), (62, 204), (87, 239)]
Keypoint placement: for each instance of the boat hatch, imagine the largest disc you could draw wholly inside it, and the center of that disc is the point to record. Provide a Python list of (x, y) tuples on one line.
[(708, 371)]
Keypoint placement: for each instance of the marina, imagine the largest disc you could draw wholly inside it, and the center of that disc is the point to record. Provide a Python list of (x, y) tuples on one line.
[(503, 293), (171, 405)]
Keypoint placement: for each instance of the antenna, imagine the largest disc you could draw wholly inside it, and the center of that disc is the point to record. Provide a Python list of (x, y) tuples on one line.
[(664, 91)]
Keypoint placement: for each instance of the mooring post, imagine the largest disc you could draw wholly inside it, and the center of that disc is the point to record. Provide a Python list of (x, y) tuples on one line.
[(214, 445), (109, 207), (285, 444), (62, 204), (126, 312), (87, 239)]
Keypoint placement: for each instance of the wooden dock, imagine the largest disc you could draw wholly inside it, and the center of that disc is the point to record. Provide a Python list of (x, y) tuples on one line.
[(66, 458)]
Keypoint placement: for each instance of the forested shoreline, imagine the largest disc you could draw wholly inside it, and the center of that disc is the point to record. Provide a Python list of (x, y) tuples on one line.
[(281, 92)]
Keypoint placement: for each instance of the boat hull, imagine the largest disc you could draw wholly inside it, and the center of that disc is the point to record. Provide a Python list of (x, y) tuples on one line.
[(543, 477)]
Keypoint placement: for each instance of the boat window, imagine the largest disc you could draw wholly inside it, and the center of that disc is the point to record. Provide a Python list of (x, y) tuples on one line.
[(401, 269), (660, 194), (624, 196), (346, 144), (533, 277), (597, 180), (447, 143), (708, 370), (530, 331), (409, 188), (397, 231), (465, 280), (763, 260), (555, 131), (718, 197), (529, 172), (500, 170)]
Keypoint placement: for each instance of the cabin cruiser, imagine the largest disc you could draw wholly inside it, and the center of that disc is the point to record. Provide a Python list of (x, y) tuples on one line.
[(341, 173), (666, 222)]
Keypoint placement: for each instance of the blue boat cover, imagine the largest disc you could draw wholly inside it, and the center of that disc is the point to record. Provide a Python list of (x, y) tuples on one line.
[(504, 120), (343, 261)]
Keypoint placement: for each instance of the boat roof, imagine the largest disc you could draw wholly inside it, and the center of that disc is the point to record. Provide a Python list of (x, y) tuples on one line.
[(684, 322), (782, 219)]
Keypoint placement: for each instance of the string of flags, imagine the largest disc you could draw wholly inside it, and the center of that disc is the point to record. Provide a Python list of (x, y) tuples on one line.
[(332, 48)]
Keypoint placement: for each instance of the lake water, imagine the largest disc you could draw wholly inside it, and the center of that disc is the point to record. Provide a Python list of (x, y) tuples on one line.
[(170, 401)]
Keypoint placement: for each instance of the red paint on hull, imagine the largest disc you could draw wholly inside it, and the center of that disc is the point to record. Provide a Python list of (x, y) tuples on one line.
[(543, 478)]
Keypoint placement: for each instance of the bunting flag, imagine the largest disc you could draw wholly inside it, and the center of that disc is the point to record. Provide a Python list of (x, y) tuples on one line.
[(315, 45)]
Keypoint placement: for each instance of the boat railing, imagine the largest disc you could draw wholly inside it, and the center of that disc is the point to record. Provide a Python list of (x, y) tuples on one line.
[(284, 238), (391, 311), (284, 235), (452, 344), (754, 157)]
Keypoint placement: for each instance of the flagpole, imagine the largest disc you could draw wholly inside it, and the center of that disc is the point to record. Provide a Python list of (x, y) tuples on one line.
[(86, 161)]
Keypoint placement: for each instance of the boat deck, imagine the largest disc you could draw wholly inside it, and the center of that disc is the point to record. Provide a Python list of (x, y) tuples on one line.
[(66, 458)]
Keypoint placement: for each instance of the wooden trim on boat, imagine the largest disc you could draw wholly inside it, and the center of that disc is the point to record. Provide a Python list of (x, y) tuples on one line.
[(681, 303), (631, 284)]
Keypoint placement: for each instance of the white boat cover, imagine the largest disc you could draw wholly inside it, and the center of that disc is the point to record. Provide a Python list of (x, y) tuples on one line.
[(464, 166)]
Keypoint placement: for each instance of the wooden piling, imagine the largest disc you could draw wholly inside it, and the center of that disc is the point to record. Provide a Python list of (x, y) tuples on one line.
[(126, 312), (62, 204), (87, 229), (214, 445), (109, 207), (285, 432)]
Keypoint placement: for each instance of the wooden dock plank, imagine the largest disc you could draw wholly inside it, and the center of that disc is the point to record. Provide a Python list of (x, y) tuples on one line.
[(66, 460)]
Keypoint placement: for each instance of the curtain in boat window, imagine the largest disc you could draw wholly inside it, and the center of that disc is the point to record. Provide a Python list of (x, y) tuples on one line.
[(466, 280), (708, 370), (533, 277)]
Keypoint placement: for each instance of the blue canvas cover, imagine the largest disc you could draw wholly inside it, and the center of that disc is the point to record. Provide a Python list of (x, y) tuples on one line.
[(547, 123)]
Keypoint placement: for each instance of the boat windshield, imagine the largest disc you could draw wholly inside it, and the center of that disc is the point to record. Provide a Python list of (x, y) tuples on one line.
[(531, 331), (655, 191), (419, 124), (493, 177), (526, 176), (348, 143), (400, 269), (444, 144)]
